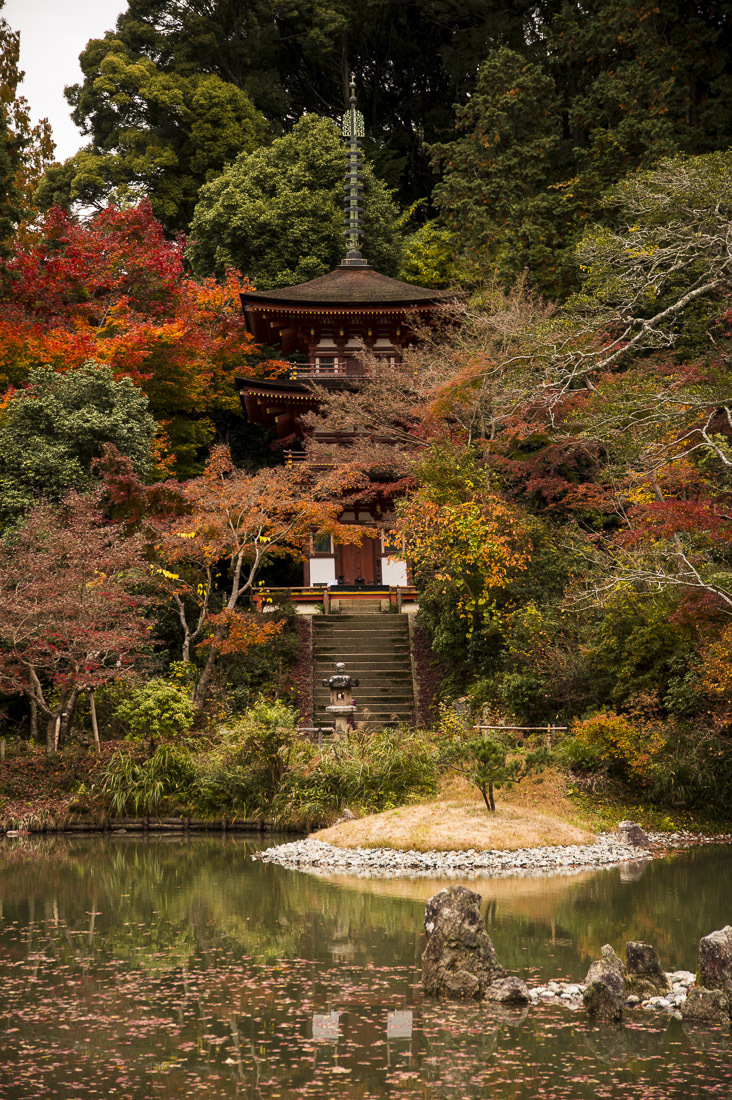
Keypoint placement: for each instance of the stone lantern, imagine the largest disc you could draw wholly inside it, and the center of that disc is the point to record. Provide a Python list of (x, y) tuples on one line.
[(341, 699)]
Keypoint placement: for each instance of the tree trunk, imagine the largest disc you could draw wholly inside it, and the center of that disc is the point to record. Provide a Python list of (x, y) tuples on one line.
[(33, 720), (52, 732), (95, 727), (201, 690), (486, 789), (58, 722)]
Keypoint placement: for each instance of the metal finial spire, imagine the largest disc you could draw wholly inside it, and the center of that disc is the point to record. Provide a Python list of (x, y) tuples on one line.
[(353, 131)]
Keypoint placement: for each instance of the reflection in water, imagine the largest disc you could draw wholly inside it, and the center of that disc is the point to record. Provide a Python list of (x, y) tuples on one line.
[(327, 1027), (136, 969)]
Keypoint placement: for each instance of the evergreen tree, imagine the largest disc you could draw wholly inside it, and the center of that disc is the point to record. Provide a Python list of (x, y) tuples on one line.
[(610, 86), (161, 134), (495, 172), (277, 214), (172, 67), (25, 150)]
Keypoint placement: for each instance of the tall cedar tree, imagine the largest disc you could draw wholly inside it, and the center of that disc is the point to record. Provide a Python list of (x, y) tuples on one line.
[(611, 86), (25, 149), (175, 75)]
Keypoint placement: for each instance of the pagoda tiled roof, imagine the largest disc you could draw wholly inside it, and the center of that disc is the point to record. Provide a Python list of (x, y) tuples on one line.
[(349, 286)]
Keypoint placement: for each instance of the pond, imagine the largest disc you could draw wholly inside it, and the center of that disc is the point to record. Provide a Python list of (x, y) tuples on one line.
[(140, 968)]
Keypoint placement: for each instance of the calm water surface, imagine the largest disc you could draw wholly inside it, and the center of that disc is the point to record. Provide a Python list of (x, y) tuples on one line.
[(137, 969)]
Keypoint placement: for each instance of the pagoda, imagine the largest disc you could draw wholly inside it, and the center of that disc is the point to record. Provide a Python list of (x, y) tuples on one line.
[(335, 322)]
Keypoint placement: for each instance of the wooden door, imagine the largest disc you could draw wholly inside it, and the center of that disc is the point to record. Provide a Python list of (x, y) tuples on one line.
[(358, 563)]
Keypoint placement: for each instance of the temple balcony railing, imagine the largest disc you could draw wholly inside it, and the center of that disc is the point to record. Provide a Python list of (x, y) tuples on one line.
[(301, 458), (332, 367)]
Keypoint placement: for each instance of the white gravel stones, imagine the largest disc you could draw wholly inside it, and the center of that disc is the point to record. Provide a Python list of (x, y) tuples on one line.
[(318, 857), (569, 995)]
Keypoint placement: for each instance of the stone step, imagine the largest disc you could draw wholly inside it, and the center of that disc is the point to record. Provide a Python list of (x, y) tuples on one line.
[(381, 672), (350, 646), (367, 698), (374, 721), (381, 717), (370, 679), (338, 636), (358, 637), (341, 618), (367, 623), (375, 670)]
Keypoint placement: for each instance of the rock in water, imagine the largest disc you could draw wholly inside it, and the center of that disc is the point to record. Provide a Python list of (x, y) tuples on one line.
[(608, 961), (715, 961), (645, 977), (630, 832), (508, 991), (604, 997), (459, 959), (706, 1006)]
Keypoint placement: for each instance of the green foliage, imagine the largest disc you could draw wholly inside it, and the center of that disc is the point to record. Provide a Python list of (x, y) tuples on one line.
[(263, 767), (158, 132), (670, 764), (245, 771), (140, 787), (495, 172), (53, 429), (551, 126), (412, 60), (490, 761), (157, 711), (495, 762), (367, 773), (522, 694), (277, 214), (636, 648), (429, 257), (10, 197)]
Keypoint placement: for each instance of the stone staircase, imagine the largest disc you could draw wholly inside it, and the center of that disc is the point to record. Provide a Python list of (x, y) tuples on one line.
[(375, 649)]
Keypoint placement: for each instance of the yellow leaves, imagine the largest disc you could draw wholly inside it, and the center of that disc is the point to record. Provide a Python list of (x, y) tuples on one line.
[(167, 574), (474, 547), (641, 494), (186, 534), (716, 671)]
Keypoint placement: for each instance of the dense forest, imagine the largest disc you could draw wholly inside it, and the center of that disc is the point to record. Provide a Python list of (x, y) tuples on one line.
[(560, 445)]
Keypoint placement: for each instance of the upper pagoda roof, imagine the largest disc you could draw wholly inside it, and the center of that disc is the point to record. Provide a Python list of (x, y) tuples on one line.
[(348, 286)]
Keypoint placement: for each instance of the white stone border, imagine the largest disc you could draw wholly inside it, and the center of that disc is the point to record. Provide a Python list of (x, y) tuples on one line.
[(317, 857)]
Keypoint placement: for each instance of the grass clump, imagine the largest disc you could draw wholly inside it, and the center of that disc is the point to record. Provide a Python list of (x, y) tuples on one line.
[(133, 786), (264, 768)]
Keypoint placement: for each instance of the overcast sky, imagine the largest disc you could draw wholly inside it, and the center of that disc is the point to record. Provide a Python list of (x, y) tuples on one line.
[(52, 35)]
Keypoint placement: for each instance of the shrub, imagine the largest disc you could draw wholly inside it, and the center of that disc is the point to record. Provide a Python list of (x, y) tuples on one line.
[(264, 767), (157, 711), (140, 786), (245, 771), (631, 750), (368, 773)]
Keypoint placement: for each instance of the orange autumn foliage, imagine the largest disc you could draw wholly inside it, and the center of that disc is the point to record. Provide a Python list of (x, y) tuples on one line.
[(114, 290)]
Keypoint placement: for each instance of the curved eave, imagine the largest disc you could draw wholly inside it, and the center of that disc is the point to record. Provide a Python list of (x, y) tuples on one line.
[(264, 305)]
